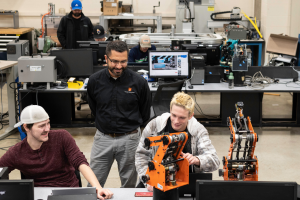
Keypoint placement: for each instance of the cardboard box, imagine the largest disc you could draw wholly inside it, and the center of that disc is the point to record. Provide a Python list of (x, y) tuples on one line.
[(110, 7), (281, 44)]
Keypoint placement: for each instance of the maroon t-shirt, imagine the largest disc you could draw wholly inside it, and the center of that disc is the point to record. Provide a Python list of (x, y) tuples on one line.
[(53, 165)]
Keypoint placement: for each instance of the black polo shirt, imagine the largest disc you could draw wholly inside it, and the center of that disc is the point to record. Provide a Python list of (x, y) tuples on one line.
[(119, 105)]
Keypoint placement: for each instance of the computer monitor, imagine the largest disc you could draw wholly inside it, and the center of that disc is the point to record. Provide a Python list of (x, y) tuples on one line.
[(98, 47), (210, 52), (169, 64), (16, 189), (246, 190), (76, 62), (190, 189)]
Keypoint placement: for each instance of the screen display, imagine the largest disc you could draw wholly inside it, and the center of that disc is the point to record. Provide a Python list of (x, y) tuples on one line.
[(169, 64), (78, 62), (16, 189)]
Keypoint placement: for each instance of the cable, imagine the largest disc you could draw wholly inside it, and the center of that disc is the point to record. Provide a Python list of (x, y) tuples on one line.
[(201, 109), (63, 69), (259, 82), (36, 97)]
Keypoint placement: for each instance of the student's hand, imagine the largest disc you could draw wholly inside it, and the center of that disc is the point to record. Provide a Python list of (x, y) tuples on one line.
[(104, 194), (149, 188), (104, 65), (193, 160)]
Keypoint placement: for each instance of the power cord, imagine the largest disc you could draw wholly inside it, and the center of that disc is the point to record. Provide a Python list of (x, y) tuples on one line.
[(259, 82), (201, 109)]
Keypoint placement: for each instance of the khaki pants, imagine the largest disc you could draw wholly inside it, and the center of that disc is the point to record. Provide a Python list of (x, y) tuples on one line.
[(106, 149)]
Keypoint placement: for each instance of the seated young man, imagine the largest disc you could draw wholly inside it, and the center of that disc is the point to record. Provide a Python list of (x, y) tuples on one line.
[(50, 157), (198, 149)]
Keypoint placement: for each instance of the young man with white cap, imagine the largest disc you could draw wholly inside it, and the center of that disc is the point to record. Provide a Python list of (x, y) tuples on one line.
[(74, 27), (139, 53), (50, 157)]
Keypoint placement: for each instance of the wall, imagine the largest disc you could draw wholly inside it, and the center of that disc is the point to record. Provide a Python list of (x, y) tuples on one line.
[(276, 18), (295, 18)]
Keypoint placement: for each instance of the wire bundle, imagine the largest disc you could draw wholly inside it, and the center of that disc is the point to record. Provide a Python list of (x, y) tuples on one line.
[(259, 82)]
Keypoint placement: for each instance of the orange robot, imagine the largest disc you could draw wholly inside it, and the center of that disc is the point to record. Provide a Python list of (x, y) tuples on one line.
[(168, 170), (244, 166)]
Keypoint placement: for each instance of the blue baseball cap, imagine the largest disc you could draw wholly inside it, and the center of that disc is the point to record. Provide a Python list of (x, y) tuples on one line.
[(76, 5)]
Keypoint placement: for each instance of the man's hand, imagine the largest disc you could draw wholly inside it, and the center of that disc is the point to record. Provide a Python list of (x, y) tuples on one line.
[(149, 188), (104, 193), (193, 160)]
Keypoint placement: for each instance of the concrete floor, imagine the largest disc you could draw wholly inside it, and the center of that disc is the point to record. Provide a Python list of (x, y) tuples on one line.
[(277, 150)]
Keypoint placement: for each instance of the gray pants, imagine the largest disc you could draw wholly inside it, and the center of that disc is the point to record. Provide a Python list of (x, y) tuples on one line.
[(106, 148)]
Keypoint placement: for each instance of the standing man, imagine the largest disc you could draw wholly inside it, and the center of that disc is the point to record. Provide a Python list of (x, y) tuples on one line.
[(139, 53), (120, 101), (99, 33), (198, 150), (50, 157), (74, 27)]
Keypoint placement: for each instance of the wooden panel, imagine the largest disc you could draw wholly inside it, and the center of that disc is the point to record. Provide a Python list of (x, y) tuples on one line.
[(15, 31)]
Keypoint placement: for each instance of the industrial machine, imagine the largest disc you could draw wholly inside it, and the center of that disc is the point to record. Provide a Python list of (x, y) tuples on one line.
[(37, 70), (187, 20), (17, 48), (237, 26), (48, 22), (283, 60), (168, 169), (238, 58), (244, 165)]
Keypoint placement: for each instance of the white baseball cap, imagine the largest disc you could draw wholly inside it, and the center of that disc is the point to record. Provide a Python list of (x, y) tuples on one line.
[(145, 41), (32, 114)]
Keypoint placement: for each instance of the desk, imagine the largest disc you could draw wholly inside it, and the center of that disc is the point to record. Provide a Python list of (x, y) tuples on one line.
[(41, 193), (57, 103), (8, 68), (252, 43), (144, 16), (252, 100), (7, 34)]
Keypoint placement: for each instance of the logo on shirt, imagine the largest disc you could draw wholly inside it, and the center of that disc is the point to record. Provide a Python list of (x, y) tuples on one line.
[(2, 192), (98, 32), (129, 89)]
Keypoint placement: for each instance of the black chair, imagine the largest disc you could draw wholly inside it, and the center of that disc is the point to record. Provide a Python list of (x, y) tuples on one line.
[(164, 95), (83, 100), (77, 173)]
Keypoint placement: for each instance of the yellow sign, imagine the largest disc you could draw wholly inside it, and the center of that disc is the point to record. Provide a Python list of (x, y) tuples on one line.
[(210, 8), (18, 35)]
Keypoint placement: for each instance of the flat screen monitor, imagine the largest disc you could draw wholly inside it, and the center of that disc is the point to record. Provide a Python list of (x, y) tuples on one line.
[(16, 189), (210, 52), (246, 190), (169, 64), (77, 62), (99, 48), (190, 189)]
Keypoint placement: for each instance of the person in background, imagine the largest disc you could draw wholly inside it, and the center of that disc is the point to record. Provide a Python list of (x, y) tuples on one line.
[(139, 53), (74, 27), (99, 33)]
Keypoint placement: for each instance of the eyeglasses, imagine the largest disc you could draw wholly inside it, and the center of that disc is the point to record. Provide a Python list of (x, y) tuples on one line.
[(116, 62)]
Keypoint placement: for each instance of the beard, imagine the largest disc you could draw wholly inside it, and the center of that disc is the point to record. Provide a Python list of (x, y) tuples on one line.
[(76, 14), (112, 70)]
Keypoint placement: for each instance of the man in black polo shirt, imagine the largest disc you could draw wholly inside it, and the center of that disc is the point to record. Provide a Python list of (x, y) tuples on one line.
[(74, 27), (120, 101)]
